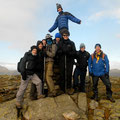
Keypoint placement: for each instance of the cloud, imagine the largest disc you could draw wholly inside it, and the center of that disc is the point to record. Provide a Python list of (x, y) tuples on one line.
[(115, 65), (19, 20), (112, 14), (118, 35), (10, 66), (23, 22)]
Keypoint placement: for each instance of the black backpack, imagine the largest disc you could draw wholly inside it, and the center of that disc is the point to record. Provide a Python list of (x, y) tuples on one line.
[(20, 65)]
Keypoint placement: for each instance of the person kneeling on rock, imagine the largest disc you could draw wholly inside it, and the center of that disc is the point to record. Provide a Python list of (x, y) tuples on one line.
[(26, 67)]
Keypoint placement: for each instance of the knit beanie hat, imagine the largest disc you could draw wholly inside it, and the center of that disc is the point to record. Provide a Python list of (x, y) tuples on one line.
[(57, 35), (58, 6), (82, 45), (48, 36), (97, 45), (33, 47)]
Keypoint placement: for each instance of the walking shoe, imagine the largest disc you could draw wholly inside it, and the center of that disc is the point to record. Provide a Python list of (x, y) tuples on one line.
[(70, 91), (18, 105), (59, 92), (41, 96), (76, 90), (95, 97), (111, 99), (52, 94)]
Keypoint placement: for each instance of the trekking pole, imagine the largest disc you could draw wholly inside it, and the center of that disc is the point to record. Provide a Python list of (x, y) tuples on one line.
[(65, 74), (44, 75)]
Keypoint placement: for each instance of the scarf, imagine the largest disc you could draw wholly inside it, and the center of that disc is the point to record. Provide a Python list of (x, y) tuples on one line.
[(98, 55)]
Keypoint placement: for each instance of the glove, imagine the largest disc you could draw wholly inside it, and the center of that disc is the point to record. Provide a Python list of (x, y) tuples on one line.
[(24, 76), (67, 49), (107, 75)]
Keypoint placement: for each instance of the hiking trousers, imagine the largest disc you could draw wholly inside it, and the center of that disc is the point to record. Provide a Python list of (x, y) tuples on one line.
[(106, 82), (24, 83), (49, 75)]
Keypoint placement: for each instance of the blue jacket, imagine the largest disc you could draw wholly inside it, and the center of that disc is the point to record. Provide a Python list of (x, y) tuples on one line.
[(100, 68), (62, 21)]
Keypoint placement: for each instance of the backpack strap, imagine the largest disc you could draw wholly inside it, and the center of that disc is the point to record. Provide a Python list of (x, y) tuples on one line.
[(92, 56), (103, 56)]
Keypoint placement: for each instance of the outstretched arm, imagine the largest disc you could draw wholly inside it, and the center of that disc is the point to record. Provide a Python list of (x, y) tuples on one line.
[(73, 18), (54, 26)]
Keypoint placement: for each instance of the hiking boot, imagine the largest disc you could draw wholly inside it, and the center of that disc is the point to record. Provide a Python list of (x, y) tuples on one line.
[(18, 105), (33, 98), (95, 97), (76, 90), (70, 91), (111, 99), (52, 94), (41, 96), (59, 92)]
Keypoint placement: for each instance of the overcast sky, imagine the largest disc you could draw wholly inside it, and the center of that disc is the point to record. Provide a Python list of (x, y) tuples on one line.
[(23, 22)]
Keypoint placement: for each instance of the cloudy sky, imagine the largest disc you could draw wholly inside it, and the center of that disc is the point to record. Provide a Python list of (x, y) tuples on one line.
[(23, 22)]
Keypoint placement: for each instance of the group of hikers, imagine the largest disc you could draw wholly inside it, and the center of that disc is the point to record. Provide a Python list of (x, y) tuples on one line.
[(51, 61)]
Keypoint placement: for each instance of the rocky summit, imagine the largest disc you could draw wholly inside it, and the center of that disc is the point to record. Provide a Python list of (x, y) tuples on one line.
[(64, 107), (58, 108)]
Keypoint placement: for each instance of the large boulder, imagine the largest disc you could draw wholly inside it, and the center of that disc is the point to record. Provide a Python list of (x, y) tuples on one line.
[(44, 109)]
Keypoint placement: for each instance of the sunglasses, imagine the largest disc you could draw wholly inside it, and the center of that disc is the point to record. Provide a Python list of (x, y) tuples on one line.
[(65, 35)]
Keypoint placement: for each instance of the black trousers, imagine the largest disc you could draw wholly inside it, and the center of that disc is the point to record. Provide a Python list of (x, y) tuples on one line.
[(63, 30), (65, 79), (106, 82), (79, 83)]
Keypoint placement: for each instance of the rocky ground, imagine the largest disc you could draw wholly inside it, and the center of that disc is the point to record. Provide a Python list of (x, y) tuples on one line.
[(104, 109), (76, 107)]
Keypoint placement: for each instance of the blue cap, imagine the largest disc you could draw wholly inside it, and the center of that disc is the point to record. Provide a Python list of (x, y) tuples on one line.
[(57, 35)]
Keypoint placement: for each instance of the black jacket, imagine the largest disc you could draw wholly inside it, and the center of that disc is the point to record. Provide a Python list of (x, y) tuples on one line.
[(40, 63), (82, 59), (66, 47), (29, 63)]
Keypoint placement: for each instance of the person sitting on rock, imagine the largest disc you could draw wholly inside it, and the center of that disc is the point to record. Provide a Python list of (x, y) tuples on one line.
[(62, 20), (49, 61), (82, 57), (28, 65), (99, 68)]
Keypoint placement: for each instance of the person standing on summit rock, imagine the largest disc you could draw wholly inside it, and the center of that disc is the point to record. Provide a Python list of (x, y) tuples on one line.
[(62, 20), (98, 64)]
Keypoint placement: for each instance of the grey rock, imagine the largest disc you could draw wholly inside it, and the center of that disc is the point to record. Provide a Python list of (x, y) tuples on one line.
[(82, 102), (93, 104), (99, 112)]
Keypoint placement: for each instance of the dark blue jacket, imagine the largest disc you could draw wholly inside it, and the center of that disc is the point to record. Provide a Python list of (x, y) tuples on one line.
[(62, 21), (100, 68)]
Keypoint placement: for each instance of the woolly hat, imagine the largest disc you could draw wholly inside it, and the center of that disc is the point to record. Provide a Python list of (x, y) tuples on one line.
[(97, 45), (48, 36), (58, 6), (82, 45), (57, 35), (33, 47)]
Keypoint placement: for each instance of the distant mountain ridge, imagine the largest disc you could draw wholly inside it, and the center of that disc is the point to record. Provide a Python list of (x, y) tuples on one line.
[(115, 72), (5, 71)]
